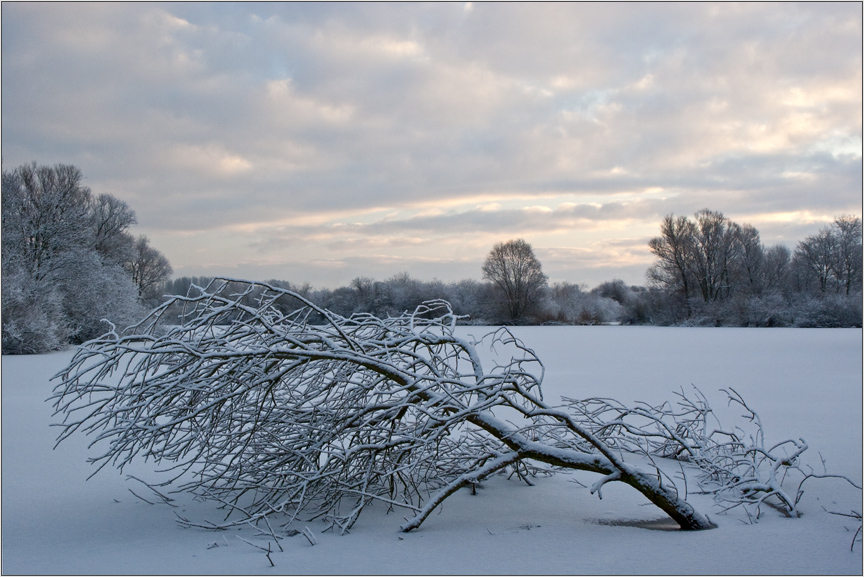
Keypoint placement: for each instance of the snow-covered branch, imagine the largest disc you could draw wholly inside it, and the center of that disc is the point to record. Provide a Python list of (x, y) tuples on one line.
[(735, 466), (250, 405)]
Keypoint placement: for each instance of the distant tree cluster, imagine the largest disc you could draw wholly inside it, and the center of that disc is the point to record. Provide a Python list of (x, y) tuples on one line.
[(388, 298), (69, 261), (712, 271), (514, 291), (709, 271)]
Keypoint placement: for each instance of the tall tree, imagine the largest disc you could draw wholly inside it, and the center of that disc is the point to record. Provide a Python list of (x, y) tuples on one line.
[(847, 231), (674, 248), (751, 264), (714, 251), (43, 211), (149, 267), (517, 274), (777, 267), (818, 254), (111, 219)]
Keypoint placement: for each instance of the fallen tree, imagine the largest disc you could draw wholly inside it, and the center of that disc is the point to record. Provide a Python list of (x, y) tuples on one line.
[(293, 412)]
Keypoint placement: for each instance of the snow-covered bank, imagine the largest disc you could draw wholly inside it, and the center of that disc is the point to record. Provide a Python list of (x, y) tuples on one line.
[(804, 383)]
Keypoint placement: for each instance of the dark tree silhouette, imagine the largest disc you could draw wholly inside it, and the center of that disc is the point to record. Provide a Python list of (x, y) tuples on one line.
[(517, 275)]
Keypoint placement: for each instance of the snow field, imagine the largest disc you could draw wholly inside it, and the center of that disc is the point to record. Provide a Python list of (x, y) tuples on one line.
[(803, 383)]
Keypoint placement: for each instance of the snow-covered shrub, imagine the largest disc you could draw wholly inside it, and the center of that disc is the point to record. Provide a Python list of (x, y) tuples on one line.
[(92, 292), (827, 310), (770, 310), (568, 303), (33, 319)]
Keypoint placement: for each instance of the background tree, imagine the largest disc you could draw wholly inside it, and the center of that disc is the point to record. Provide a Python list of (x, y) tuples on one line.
[(777, 261), (64, 259), (819, 256), (709, 265), (847, 231), (714, 250), (515, 271), (45, 211), (714, 271), (36, 211), (750, 274), (149, 268), (830, 260), (111, 220), (93, 291), (673, 248)]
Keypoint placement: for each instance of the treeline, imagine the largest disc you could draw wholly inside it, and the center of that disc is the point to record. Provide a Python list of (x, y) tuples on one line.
[(709, 271), (69, 261), (712, 271)]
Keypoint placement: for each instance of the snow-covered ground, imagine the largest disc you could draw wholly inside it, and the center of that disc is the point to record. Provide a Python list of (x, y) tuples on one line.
[(803, 382)]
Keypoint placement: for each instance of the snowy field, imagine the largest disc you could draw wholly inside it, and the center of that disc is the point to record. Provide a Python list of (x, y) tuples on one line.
[(803, 382)]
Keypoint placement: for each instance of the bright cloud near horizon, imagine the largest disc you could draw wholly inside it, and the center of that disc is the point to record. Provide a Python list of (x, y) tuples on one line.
[(319, 142)]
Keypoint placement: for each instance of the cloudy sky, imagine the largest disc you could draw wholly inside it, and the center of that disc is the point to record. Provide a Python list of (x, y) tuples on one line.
[(320, 142)]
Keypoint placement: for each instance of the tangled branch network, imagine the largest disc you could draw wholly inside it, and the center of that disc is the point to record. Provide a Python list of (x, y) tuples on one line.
[(277, 409)]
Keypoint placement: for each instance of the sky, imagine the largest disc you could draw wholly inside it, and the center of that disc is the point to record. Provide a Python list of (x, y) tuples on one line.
[(321, 142)]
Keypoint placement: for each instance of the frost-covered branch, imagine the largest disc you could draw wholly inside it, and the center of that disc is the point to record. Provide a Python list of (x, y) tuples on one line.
[(734, 466), (251, 405)]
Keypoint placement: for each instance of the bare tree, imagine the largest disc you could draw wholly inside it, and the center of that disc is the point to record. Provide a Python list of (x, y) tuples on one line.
[(776, 265), (714, 243), (273, 416), (517, 274), (673, 248), (737, 466), (149, 267), (819, 255), (847, 231), (707, 260), (751, 264), (111, 220)]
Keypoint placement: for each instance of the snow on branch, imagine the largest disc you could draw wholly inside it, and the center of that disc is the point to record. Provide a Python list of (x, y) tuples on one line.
[(273, 407), (735, 466)]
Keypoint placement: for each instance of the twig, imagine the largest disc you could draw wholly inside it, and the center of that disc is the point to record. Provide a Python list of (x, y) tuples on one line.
[(266, 551)]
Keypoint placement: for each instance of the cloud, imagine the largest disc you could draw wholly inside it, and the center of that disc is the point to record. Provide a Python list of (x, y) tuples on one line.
[(271, 128)]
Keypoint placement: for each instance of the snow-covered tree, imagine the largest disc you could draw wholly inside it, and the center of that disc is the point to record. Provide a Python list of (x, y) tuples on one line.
[(94, 292), (111, 220), (63, 259), (149, 267), (276, 418), (45, 214), (273, 416)]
